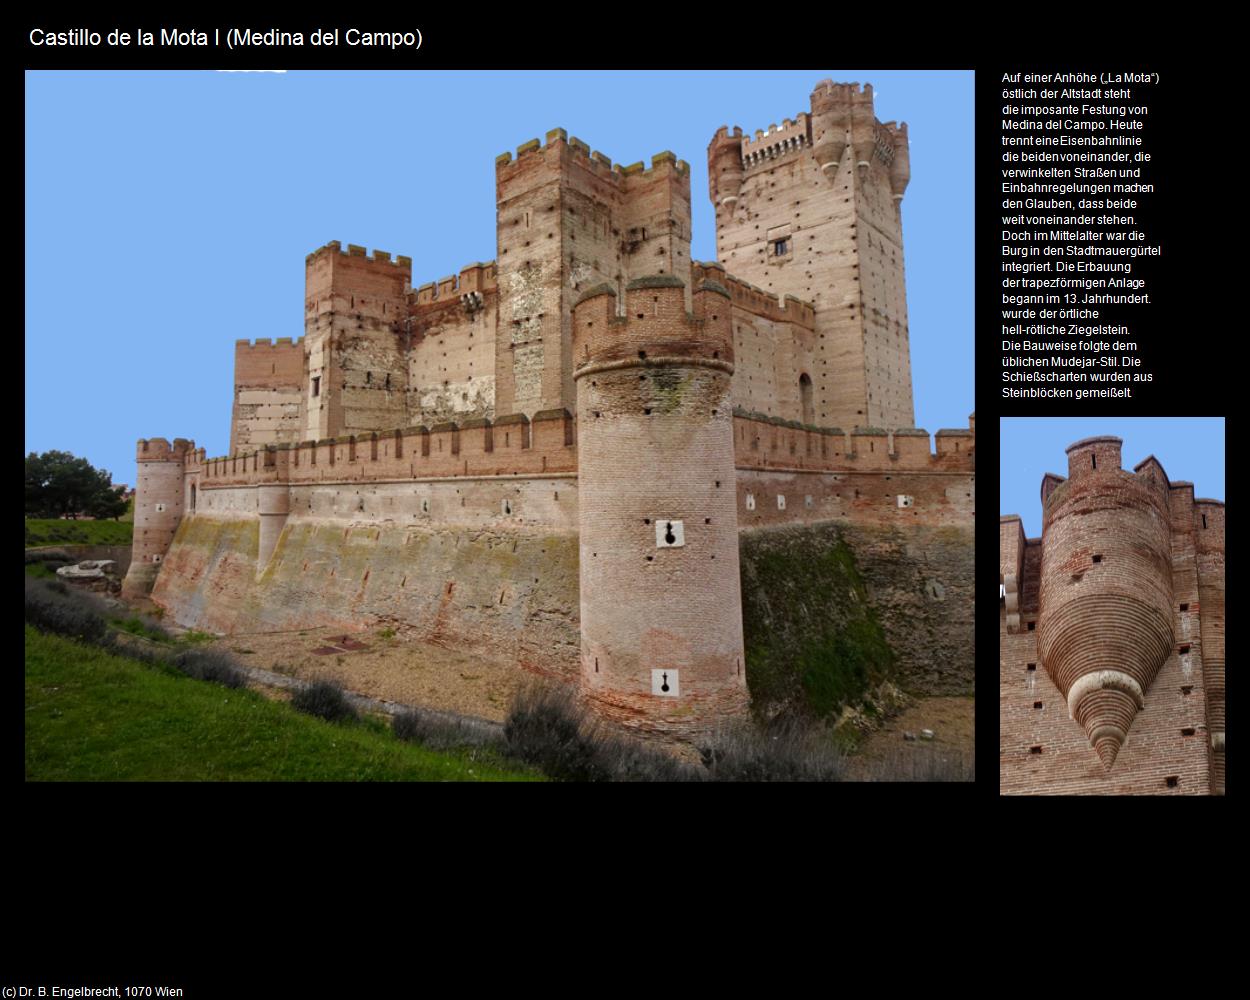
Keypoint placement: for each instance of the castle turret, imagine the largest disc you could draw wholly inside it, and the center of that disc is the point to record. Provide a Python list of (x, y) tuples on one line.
[(661, 610), (831, 123), (724, 166), (1106, 595), (158, 509)]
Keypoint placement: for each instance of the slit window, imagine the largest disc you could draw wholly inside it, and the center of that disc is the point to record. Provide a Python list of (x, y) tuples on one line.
[(316, 388)]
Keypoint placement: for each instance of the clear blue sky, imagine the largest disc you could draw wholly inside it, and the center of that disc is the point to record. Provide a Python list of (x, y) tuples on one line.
[(1189, 448), (168, 214)]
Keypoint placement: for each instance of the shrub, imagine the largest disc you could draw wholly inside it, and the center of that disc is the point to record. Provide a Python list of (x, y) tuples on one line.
[(924, 762), (54, 607), (145, 627), (213, 665), (787, 751), (628, 759), (441, 732), (48, 556), (548, 728), (325, 700)]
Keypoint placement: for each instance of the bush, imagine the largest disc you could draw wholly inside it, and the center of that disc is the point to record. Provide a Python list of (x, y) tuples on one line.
[(54, 607), (924, 762), (548, 728), (632, 760), (144, 627), (48, 555), (325, 700), (441, 732), (211, 665), (787, 751)]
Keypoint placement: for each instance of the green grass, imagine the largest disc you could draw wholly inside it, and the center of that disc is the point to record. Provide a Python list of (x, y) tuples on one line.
[(57, 532), (40, 570), (812, 638), (92, 716)]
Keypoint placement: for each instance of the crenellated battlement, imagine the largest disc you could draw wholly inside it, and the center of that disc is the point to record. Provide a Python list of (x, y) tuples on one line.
[(478, 277), (574, 151), (763, 442), (656, 328), (159, 449), (285, 343), (511, 446), (773, 143), (335, 249), (784, 309)]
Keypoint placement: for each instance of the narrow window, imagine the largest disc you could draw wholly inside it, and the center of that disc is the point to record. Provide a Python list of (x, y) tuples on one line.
[(1094, 459), (316, 385)]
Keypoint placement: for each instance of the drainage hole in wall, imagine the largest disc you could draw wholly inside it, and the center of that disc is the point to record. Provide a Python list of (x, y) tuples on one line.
[(1172, 782)]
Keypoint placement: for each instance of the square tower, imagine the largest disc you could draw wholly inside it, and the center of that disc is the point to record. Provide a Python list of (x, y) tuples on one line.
[(812, 209)]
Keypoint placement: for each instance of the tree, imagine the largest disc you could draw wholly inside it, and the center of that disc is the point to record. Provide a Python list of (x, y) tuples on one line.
[(60, 485)]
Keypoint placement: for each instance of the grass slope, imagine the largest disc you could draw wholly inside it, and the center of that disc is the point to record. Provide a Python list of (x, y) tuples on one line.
[(812, 638), (92, 715), (57, 532)]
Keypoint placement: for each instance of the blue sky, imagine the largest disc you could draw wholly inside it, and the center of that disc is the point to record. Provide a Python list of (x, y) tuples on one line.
[(168, 214), (1189, 448)]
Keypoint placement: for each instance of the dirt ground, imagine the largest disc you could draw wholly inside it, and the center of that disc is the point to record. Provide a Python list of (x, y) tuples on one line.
[(952, 720), (386, 667)]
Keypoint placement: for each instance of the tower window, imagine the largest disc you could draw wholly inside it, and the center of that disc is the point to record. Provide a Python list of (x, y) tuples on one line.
[(781, 248), (316, 385)]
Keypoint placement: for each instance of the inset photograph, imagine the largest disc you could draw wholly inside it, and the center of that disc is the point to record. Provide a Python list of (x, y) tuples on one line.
[(1111, 607)]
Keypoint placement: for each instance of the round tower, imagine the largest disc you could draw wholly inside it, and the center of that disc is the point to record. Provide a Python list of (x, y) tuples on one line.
[(724, 167), (831, 123), (1105, 618), (661, 608), (158, 509)]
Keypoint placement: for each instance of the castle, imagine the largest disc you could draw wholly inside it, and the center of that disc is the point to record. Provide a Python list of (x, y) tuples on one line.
[(1112, 634), (556, 454)]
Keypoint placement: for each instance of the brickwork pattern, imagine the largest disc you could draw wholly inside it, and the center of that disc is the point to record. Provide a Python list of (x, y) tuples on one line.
[(1110, 675)]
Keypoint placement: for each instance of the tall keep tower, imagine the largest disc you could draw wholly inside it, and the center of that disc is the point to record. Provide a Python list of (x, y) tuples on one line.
[(661, 608), (813, 209)]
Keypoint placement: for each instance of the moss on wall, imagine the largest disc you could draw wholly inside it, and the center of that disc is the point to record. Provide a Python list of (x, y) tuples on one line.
[(814, 644)]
